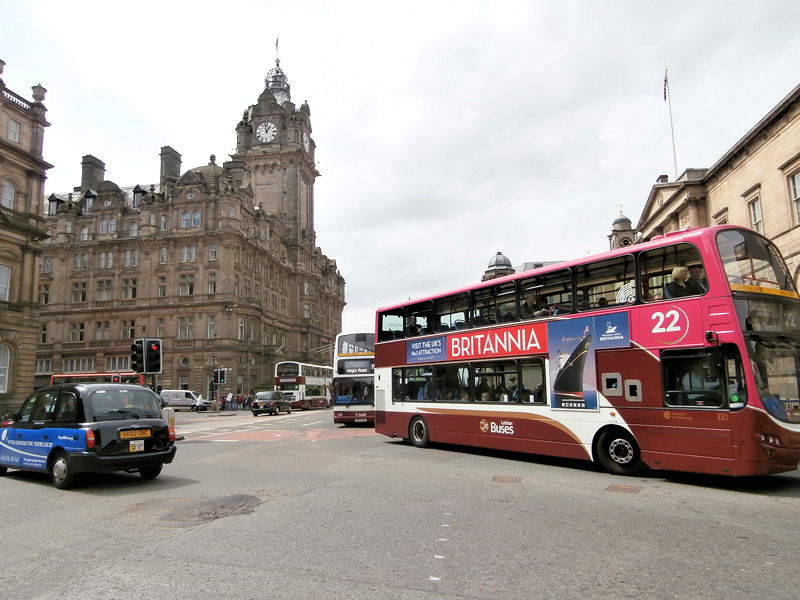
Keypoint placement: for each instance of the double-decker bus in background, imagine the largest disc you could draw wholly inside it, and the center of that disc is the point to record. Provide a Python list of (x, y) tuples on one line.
[(307, 386), (353, 381), (115, 377), (621, 358)]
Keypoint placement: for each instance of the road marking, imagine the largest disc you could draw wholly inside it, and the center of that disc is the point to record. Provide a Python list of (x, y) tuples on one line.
[(312, 423)]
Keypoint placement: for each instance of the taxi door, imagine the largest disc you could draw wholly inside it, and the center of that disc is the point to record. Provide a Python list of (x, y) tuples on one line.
[(34, 434)]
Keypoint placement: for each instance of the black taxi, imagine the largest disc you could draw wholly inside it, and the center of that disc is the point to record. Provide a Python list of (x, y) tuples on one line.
[(76, 428)]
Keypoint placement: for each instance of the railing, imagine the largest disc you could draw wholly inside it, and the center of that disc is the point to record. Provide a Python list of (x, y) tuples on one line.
[(16, 99)]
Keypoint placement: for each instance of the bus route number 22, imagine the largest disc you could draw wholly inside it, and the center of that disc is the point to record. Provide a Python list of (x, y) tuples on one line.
[(669, 327)]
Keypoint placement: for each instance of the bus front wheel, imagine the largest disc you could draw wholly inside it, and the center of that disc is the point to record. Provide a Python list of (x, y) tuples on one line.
[(418, 432), (619, 453)]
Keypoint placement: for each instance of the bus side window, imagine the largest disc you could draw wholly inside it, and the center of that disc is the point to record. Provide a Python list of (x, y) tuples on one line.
[(605, 283), (656, 267), (532, 383), (391, 327)]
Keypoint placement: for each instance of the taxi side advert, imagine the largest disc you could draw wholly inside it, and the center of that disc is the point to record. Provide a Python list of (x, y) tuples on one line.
[(69, 429)]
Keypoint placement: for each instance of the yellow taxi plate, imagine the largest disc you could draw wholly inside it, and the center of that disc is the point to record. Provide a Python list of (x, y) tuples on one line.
[(134, 434)]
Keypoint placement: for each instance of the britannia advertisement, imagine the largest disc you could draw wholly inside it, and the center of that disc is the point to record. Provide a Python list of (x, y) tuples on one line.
[(572, 344)]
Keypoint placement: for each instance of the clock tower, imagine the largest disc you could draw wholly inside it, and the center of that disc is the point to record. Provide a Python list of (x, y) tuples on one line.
[(622, 232), (273, 143)]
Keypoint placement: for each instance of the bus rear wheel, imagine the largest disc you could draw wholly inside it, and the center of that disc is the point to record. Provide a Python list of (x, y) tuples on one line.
[(418, 432), (619, 453)]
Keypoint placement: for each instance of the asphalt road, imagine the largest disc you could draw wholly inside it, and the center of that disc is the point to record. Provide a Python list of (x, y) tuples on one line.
[(294, 506)]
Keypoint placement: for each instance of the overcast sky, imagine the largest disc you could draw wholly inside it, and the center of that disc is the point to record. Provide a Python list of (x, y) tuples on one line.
[(445, 131)]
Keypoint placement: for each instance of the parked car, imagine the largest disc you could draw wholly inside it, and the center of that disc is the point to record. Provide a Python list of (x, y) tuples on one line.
[(184, 399), (272, 402), (69, 429)]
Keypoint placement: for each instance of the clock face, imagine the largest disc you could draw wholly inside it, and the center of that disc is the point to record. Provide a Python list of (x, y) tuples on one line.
[(266, 132), (306, 142), (625, 241)]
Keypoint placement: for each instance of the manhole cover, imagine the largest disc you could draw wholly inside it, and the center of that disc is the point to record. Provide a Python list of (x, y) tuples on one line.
[(624, 489), (506, 479)]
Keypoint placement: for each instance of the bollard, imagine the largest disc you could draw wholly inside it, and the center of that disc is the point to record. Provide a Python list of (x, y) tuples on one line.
[(168, 414)]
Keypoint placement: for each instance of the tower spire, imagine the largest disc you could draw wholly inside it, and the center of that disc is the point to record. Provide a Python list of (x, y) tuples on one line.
[(276, 81)]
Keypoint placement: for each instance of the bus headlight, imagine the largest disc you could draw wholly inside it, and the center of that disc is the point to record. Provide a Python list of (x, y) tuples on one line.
[(770, 439)]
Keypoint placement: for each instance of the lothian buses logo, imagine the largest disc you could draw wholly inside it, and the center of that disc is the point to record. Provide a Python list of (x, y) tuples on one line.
[(503, 427)]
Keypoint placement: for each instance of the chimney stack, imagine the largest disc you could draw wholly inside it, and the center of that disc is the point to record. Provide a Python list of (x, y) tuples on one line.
[(170, 166), (93, 173)]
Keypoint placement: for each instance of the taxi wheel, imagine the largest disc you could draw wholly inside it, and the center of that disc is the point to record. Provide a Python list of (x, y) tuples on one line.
[(150, 472), (277, 410), (62, 477), (289, 410), (255, 414)]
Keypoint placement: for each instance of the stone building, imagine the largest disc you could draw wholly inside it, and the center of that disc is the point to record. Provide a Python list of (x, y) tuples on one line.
[(756, 183), (219, 261), (22, 175)]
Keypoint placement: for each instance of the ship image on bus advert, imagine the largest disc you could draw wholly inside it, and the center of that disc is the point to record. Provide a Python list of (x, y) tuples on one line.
[(353, 382), (305, 386), (681, 353)]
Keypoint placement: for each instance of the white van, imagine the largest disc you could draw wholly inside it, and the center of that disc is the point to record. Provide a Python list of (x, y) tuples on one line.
[(184, 399)]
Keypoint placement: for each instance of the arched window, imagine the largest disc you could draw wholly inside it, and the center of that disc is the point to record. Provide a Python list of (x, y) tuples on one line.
[(84, 233), (7, 194), (186, 220), (5, 361), (196, 218)]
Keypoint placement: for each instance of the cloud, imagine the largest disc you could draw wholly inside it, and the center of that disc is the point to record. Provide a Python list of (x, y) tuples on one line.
[(445, 132)]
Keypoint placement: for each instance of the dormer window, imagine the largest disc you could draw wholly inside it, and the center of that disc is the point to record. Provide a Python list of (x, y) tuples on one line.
[(88, 201), (53, 203), (138, 193)]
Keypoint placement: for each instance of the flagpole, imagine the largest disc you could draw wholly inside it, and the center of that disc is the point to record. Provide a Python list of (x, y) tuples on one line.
[(668, 98)]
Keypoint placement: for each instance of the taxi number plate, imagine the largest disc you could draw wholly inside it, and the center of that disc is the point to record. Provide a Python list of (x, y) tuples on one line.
[(361, 420), (137, 446), (134, 433)]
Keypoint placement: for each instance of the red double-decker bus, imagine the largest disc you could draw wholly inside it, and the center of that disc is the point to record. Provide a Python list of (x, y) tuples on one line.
[(680, 353)]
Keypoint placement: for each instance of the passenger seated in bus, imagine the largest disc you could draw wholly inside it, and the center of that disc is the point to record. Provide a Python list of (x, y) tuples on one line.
[(486, 397), (426, 392), (411, 326), (538, 394), (529, 308), (483, 386), (602, 302), (677, 288), (697, 281)]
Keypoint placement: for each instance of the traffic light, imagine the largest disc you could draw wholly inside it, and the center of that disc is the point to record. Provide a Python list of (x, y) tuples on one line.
[(152, 356), (221, 376), (216, 375), (137, 356)]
